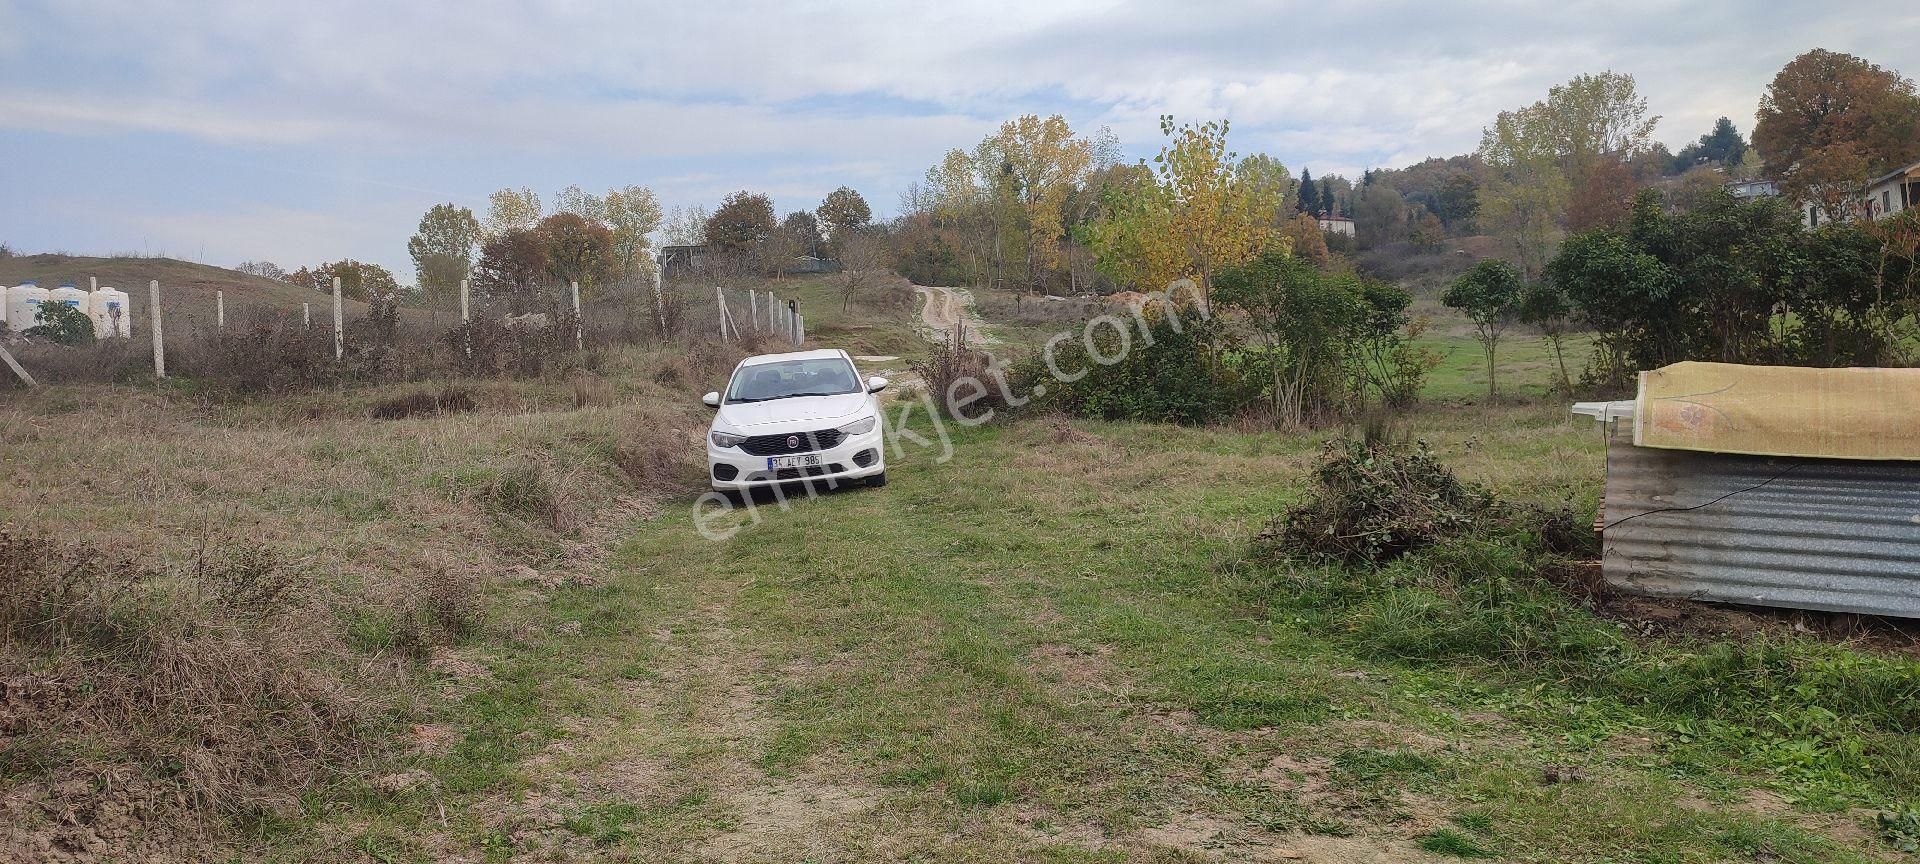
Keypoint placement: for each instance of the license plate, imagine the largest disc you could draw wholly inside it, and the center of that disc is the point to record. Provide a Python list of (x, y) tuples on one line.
[(809, 460)]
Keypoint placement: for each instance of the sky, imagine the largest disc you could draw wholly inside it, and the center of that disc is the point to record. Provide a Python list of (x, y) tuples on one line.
[(300, 133)]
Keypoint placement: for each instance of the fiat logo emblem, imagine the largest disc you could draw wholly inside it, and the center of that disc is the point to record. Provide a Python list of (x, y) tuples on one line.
[(793, 441)]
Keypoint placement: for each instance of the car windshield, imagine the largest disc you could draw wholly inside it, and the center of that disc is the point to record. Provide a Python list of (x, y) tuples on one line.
[(824, 376)]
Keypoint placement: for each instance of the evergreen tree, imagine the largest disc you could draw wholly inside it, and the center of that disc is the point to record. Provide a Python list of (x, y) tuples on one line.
[(1309, 193), (1326, 195)]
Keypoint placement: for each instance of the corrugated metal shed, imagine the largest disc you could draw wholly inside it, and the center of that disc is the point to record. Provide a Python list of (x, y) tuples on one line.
[(1830, 534)]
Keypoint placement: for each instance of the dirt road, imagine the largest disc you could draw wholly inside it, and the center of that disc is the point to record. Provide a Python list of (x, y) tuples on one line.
[(946, 307)]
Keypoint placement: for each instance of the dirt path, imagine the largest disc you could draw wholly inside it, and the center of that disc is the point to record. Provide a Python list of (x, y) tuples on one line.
[(946, 307)]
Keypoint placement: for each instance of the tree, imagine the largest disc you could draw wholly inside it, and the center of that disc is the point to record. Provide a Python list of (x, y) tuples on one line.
[(685, 226), (864, 255), (1603, 197), (1199, 206), (512, 210), (1040, 161), (843, 212), (1307, 322), (1458, 199), (1830, 121), (1592, 117), (1546, 307), (804, 229), (1379, 215), (1306, 239), (1723, 145), (742, 223), (442, 249), (511, 265), (1309, 201), (1425, 229), (1268, 180), (358, 281), (1526, 188), (632, 213), (580, 203), (577, 250), (1490, 295)]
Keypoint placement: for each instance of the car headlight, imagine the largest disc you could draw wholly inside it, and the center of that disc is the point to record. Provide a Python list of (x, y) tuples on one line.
[(859, 427), (723, 439)]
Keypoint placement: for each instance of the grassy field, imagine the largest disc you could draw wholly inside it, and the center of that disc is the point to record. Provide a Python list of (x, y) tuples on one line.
[(1060, 645), (1054, 648)]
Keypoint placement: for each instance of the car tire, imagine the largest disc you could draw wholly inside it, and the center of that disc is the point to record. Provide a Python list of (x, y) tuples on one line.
[(877, 480)]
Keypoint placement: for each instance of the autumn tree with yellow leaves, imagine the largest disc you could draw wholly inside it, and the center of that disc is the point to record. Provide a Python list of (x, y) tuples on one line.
[(1201, 209)]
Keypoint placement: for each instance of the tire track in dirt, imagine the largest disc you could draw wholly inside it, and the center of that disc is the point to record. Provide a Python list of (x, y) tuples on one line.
[(944, 308)]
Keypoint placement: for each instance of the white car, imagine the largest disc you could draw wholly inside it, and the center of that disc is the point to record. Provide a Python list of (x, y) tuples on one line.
[(788, 418)]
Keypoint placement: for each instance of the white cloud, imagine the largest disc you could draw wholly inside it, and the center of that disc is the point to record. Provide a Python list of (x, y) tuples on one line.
[(795, 99)]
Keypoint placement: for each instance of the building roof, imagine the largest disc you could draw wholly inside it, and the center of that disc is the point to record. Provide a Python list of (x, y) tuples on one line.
[(1910, 170), (1334, 219)]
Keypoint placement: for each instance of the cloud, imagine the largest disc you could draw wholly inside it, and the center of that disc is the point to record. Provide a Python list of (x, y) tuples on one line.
[(701, 99)]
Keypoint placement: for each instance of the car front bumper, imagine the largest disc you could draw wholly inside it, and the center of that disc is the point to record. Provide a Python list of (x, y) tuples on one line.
[(837, 465)]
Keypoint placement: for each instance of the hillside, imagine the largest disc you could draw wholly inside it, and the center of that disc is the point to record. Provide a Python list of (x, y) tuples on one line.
[(186, 288)]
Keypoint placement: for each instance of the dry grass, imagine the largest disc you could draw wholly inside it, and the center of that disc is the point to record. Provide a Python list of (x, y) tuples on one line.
[(210, 605)]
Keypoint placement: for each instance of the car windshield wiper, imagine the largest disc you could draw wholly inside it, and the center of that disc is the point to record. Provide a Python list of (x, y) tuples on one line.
[(783, 396)]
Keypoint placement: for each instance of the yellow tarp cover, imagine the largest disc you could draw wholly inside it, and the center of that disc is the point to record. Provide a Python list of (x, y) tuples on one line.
[(1780, 411)]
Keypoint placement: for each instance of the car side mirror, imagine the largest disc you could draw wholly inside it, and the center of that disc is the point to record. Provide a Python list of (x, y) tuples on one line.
[(712, 400), (876, 384)]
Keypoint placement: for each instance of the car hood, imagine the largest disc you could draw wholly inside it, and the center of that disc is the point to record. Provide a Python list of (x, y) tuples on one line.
[(799, 408)]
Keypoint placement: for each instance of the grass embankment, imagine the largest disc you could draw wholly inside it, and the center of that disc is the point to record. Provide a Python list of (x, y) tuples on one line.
[(242, 608)]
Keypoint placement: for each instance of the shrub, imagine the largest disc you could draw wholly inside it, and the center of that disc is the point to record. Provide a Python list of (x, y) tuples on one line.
[(952, 362), (62, 324), (1170, 372), (424, 403), (1373, 502)]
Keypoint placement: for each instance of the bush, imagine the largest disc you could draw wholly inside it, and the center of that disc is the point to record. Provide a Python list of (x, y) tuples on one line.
[(950, 363), (62, 324), (1373, 502), (1171, 373)]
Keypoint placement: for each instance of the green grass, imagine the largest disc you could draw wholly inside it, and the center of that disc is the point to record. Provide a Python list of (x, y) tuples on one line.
[(1070, 635)]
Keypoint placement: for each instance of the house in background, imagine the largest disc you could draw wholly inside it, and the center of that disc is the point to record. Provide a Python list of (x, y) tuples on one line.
[(1753, 188), (1894, 192), (1334, 223), (1884, 196), (681, 261)]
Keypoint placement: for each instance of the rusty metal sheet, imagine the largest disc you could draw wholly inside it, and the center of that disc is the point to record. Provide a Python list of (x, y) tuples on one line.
[(1828, 534)]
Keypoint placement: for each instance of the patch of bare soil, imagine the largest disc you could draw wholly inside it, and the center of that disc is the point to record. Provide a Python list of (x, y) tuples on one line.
[(98, 816), (787, 820)]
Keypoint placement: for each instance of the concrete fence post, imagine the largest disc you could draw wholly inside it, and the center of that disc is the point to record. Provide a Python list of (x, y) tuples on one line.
[(339, 324), (153, 319), (306, 315), (659, 296), (579, 335), (799, 329), (466, 317), (220, 309)]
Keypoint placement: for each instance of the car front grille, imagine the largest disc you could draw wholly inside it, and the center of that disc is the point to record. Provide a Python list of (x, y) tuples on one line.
[(803, 442)]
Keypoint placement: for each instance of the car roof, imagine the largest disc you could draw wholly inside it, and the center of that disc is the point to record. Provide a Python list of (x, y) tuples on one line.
[(821, 354)]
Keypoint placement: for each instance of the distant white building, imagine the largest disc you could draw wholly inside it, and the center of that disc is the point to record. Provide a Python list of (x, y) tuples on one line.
[(1884, 196), (1753, 188), (1894, 192), (1336, 224)]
